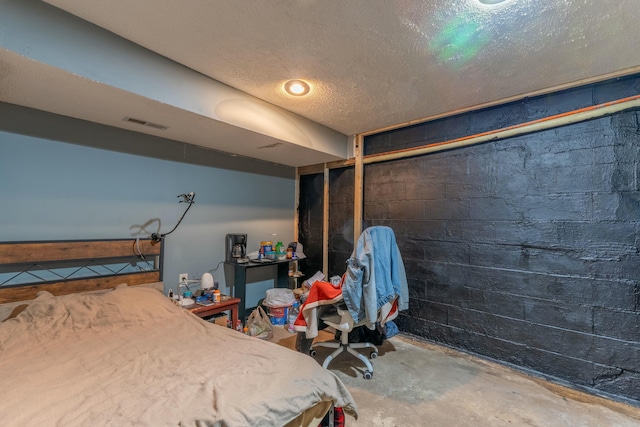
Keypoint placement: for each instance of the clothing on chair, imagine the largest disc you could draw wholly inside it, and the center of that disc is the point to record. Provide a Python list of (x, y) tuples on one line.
[(323, 299), (375, 276), (321, 295), (319, 302)]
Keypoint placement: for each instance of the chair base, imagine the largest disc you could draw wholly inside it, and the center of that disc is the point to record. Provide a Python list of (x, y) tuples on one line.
[(349, 347)]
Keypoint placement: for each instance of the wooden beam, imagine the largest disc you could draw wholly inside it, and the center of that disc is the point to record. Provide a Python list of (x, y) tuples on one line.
[(311, 169), (358, 192), (550, 122), (545, 123), (325, 223), (25, 252), (319, 168), (296, 211), (29, 292)]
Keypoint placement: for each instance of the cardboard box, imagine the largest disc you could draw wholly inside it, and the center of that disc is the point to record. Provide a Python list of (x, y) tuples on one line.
[(219, 319)]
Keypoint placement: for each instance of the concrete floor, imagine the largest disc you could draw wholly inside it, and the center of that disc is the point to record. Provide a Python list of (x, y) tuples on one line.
[(420, 384)]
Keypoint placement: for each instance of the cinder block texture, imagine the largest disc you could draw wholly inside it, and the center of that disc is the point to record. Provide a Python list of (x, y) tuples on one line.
[(525, 250), (341, 238), (310, 211)]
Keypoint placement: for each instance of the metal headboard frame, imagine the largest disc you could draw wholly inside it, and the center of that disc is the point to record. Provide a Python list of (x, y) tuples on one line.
[(64, 261)]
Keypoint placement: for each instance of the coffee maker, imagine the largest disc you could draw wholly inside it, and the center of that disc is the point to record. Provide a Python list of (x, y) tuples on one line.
[(236, 248)]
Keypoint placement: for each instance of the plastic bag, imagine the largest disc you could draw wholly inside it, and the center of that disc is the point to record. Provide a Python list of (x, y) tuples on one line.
[(279, 297), (259, 325)]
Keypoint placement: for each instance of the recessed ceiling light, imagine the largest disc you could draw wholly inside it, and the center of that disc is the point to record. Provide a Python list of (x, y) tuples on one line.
[(297, 87), (490, 1)]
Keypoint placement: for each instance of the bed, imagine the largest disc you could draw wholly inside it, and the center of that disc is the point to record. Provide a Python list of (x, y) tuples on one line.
[(112, 350)]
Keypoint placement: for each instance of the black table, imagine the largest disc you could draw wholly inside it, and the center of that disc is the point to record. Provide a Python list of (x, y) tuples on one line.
[(236, 277)]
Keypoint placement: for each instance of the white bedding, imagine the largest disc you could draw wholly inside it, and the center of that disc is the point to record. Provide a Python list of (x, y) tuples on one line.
[(131, 357)]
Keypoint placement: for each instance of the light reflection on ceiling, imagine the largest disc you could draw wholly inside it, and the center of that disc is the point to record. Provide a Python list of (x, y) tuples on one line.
[(459, 41), (461, 34)]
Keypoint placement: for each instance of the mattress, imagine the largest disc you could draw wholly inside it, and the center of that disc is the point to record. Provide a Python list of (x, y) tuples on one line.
[(131, 357)]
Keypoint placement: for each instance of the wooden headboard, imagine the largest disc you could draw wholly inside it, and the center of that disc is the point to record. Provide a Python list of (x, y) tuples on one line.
[(22, 265)]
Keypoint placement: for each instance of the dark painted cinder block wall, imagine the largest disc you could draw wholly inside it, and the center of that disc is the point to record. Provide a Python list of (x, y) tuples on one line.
[(310, 225), (340, 219), (310, 222), (524, 250)]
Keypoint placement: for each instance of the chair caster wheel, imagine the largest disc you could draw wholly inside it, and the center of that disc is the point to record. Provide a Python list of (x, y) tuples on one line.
[(373, 355), (368, 375), (312, 353)]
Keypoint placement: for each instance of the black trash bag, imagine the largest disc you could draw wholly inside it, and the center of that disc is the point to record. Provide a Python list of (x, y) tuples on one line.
[(363, 334)]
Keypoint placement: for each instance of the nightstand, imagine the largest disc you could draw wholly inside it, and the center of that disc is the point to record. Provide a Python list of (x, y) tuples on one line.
[(226, 303)]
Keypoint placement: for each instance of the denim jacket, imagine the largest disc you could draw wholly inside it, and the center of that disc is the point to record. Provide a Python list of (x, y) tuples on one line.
[(375, 275)]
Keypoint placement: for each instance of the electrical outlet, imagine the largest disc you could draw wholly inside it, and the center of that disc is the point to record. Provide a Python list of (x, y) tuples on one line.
[(183, 278)]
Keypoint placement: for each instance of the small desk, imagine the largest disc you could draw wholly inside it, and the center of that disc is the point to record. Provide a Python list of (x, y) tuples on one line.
[(226, 303), (236, 276)]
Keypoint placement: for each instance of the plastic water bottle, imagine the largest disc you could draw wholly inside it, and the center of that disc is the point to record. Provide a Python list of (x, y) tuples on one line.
[(293, 315), (279, 251)]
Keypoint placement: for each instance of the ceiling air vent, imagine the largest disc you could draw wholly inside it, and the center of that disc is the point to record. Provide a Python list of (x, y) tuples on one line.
[(144, 123)]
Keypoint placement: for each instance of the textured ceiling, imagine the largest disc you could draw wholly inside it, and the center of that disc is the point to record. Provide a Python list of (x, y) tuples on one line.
[(379, 63)]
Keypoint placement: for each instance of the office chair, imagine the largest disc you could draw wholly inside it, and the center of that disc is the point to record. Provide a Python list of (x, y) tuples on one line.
[(374, 289), (343, 322)]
